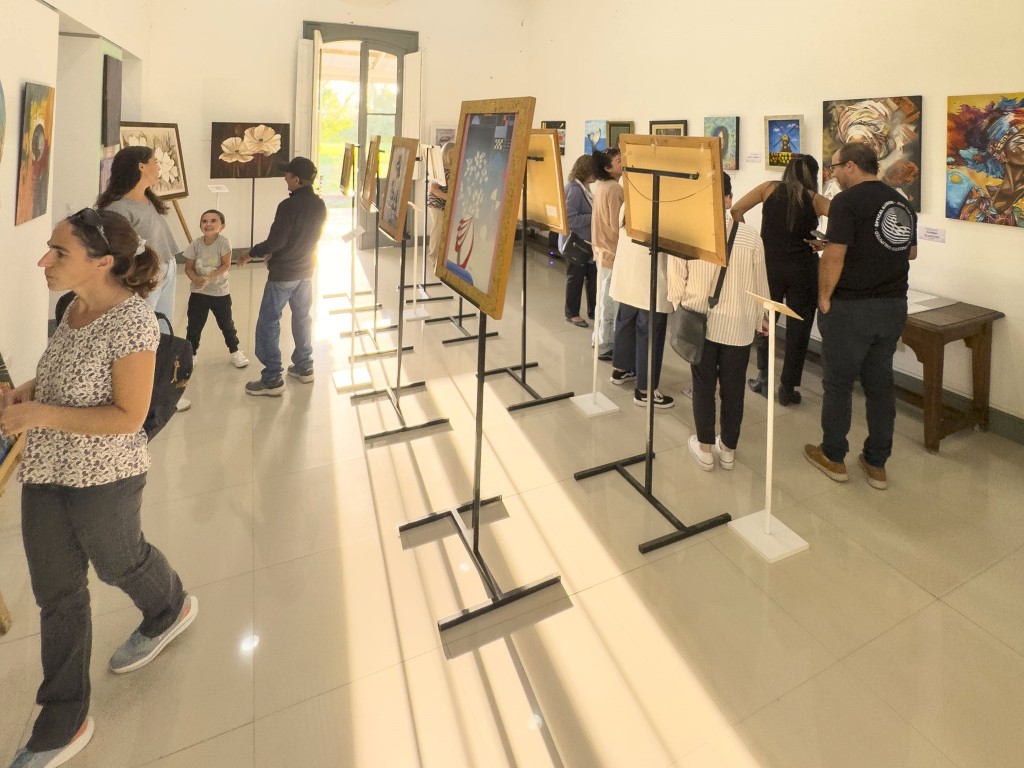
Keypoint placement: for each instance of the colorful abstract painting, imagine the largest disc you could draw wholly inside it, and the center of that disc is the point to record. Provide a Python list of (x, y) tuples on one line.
[(248, 150), (34, 162), (890, 125), (985, 158), (163, 139), (727, 129), (558, 125), (595, 136), (782, 139)]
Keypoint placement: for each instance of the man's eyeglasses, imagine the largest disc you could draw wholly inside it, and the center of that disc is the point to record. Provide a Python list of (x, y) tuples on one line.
[(833, 166), (89, 217)]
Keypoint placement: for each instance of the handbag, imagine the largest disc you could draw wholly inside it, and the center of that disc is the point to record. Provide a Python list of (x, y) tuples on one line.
[(688, 328), (577, 251)]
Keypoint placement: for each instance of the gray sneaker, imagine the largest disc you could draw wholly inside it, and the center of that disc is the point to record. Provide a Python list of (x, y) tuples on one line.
[(305, 375), (267, 388), (138, 650), (54, 757)]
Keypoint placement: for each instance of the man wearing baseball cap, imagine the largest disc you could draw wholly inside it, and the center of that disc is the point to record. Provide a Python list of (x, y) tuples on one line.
[(290, 253)]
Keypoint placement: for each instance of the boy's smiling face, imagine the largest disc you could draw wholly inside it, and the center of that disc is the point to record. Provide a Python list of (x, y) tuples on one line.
[(210, 224)]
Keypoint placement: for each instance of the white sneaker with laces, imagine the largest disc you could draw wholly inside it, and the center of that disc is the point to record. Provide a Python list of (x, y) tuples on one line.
[(726, 457), (238, 359), (705, 459)]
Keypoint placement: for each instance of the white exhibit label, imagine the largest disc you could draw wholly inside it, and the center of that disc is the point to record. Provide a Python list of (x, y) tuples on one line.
[(217, 189), (755, 157), (551, 211), (932, 234)]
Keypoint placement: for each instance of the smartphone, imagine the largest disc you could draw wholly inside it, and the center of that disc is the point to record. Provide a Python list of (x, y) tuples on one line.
[(817, 234)]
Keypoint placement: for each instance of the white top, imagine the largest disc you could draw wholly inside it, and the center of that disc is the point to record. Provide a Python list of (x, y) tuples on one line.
[(149, 225), (737, 316), (208, 258), (631, 278)]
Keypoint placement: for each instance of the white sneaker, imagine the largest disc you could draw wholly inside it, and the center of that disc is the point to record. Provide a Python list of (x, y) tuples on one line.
[(726, 457), (238, 359), (183, 405), (705, 459)]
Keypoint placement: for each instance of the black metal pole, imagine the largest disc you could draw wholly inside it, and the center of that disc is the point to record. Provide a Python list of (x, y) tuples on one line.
[(655, 209), (252, 215), (376, 260), (481, 366), (522, 359), (401, 324)]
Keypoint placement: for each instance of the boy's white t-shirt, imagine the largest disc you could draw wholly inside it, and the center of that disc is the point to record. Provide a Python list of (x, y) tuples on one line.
[(208, 259)]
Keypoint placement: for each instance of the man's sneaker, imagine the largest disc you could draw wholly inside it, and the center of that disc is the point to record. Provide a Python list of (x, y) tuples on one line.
[(183, 404), (604, 357), (238, 359), (660, 400), (621, 377), (876, 475), (138, 650), (51, 758), (835, 470), (268, 388), (705, 459), (726, 457), (305, 375)]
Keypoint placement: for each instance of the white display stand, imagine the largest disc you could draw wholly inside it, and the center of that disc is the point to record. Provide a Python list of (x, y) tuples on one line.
[(417, 313), (596, 403), (772, 538)]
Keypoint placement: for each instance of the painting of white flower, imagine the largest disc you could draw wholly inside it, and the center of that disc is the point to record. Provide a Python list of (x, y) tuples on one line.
[(166, 145), (232, 151), (248, 150)]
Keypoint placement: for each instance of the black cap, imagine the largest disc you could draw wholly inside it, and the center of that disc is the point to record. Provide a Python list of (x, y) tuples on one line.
[(299, 166)]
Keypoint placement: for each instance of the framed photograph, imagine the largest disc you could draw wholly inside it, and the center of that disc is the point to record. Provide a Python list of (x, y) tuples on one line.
[(726, 128), (442, 133), (667, 128), (782, 139), (368, 190), (557, 125), (984, 155), (595, 136), (483, 197), (163, 139), (248, 150), (34, 162), (398, 187), (691, 220), (111, 108), (545, 189), (618, 128), (347, 163)]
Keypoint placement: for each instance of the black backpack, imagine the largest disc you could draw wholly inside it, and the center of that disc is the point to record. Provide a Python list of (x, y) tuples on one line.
[(170, 376)]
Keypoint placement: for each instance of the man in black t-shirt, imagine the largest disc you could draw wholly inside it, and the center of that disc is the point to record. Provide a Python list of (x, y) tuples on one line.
[(862, 306)]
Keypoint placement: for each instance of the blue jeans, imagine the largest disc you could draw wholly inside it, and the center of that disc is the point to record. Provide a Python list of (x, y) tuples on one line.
[(858, 340), (297, 294), (607, 307), (161, 299), (631, 343)]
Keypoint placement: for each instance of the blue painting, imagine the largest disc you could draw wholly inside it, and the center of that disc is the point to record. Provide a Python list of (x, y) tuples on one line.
[(596, 136), (782, 135)]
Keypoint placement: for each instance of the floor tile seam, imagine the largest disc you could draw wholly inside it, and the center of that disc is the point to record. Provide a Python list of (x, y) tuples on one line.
[(264, 477), (202, 741), (857, 649), (984, 629), (744, 720), (188, 496)]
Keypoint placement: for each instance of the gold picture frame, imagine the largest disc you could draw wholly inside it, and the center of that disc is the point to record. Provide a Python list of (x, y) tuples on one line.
[(397, 187), (348, 162), (783, 140), (545, 189), (368, 189)]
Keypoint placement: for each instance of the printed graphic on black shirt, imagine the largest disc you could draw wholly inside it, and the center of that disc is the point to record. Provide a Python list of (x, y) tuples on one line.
[(894, 225)]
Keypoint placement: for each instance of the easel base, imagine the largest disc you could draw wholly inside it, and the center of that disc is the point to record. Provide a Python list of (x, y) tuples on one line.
[(777, 545), (595, 404), (417, 315), (356, 377)]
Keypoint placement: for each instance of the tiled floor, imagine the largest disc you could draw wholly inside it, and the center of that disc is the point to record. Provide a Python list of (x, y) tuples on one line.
[(896, 640)]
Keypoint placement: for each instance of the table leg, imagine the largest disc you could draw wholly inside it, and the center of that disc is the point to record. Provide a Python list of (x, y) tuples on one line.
[(932, 358), (980, 345)]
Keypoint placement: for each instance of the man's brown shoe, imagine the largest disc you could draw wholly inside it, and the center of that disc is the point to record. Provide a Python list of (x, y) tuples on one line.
[(835, 470), (876, 475)]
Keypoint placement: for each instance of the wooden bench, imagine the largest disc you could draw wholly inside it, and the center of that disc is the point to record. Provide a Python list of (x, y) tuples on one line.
[(928, 333)]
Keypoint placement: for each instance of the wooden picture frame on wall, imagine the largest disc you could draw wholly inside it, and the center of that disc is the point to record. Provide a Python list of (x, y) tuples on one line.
[(398, 187), (557, 125), (617, 128), (368, 189), (667, 128), (484, 195), (165, 142)]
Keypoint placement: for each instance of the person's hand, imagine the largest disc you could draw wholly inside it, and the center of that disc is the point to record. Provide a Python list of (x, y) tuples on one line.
[(16, 418), (817, 245), (244, 259), (824, 305), (11, 397), (607, 260), (764, 325)]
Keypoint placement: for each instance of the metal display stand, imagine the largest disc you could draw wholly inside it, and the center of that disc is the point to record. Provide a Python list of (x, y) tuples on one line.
[(357, 376), (645, 489), (498, 598), (518, 372), (423, 285), (596, 403)]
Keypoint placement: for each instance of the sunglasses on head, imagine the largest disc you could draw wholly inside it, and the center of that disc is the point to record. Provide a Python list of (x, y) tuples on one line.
[(90, 217)]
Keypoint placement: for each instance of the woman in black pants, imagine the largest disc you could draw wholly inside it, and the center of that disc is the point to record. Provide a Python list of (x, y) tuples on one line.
[(579, 208)]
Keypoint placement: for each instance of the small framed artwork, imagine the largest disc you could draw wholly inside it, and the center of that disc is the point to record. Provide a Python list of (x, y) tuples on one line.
[(667, 128), (368, 191), (36, 144), (726, 128), (248, 150), (347, 163), (595, 136), (442, 133), (557, 125), (618, 128), (163, 139), (398, 187), (111, 108), (782, 140), (484, 194)]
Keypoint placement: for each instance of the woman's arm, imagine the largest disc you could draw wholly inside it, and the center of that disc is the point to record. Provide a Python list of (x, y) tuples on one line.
[(754, 197), (821, 204), (579, 219), (23, 394), (191, 274)]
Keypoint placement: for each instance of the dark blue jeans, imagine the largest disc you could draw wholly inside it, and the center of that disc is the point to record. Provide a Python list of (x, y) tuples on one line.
[(858, 341), (298, 294), (631, 343)]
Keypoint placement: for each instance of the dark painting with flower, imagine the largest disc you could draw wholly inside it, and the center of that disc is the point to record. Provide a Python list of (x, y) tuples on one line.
[(248, 150), (34, 163)]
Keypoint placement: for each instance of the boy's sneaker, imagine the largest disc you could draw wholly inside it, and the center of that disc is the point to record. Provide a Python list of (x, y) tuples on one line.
[(138, 650), (51, 758), (621, 377), (238, 359), (705, 459), (660, 400), (726, 457), (305, 375), (268, 388)]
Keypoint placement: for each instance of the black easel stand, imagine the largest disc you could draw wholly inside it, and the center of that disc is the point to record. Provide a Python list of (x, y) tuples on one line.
[(456, 320), (682, 531), (394, 393), (519, 372), (471, 541), (423, 284)]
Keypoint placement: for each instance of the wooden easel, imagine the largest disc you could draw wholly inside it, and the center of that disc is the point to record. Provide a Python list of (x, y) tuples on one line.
[(181, 218), (6, 471)]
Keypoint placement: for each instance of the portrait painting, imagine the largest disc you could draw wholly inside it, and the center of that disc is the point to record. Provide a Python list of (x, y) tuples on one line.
[(782, 140), (368, 190), (486, 186), (163, 139), (248, 150), (726, 128), (618, 128), (595, 136), (34, 161), (545, 189), (985, 158), (890, 125), (111, 107), (398, 187), (667, 128), (557, 125), (347, 163)]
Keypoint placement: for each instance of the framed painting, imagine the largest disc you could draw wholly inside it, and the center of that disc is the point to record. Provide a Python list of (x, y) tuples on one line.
[(34, 162), (479, 223), (618, 128), (782, 140), (111, 108), (347, 163), (398, 187), (248, 150), (557, 125), (667, 127), (368, 191), (163, 139), (691, 216), (726, 128), (442, 133), (595, 136), (984, 158), (545, 190)]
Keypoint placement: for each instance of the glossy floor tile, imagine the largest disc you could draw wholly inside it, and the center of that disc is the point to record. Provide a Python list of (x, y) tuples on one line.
[(896, 640)]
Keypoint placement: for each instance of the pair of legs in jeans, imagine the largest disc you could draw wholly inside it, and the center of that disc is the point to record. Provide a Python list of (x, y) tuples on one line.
[(858, 340), (722, 367), (298, 295), (604, 332), (199, 308), (575, 278), (64, 529), (631, 329)]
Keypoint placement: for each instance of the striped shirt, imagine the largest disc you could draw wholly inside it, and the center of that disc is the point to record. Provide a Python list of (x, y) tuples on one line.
[(737, 317)]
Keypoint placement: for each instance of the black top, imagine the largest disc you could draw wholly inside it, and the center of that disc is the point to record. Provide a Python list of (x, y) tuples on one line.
[(878, 229), (291, 244), (779, 242)]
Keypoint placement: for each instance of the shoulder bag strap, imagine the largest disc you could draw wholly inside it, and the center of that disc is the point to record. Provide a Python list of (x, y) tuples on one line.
[(713, 299)]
